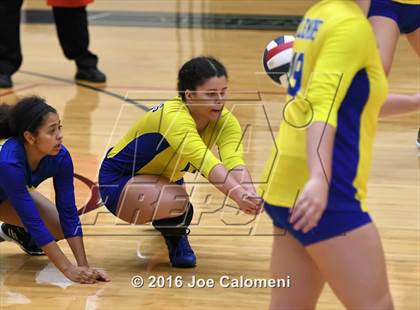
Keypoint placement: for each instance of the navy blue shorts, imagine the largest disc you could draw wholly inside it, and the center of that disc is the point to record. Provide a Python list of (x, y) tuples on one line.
[(111, 187), (331, 224), (407, 16)]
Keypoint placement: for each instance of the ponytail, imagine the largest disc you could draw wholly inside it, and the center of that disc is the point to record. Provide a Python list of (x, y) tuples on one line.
[(26, 115), (6, 129)]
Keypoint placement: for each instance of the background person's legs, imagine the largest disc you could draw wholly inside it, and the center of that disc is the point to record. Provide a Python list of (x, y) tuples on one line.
[(10, 50), (73, 34)]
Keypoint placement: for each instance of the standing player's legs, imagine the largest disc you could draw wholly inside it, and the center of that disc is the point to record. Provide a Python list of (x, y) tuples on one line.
[(364, 5), (290, 258), (414, 39), (12, 222), (10, 49), (387, 34), (354, 267), (73, 34), (147, 198)]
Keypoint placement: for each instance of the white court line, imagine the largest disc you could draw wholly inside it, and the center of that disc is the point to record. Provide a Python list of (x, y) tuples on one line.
[(98, 16), (51, 275)]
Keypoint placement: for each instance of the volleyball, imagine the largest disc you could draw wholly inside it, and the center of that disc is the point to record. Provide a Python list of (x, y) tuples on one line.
[(277, 58)]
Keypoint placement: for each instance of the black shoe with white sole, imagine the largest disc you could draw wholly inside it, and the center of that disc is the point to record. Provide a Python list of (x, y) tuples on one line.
[(20, 236)]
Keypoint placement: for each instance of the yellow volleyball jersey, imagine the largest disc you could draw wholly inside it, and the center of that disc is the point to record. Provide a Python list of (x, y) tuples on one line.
[(336, 77), (165, 142)]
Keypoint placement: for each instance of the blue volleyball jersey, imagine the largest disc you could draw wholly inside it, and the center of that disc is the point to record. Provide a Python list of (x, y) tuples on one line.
[(17, 179)]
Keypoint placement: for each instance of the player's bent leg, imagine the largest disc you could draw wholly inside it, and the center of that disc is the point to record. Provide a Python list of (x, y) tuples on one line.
[(290, 258), (147, 198), (354, 266), (49, 214), (8, 214), (12, 228), (46, 208), (387, 34), (414, 40)]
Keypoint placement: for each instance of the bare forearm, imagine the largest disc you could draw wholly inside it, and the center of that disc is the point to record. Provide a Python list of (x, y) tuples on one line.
[(243, 177), (225, 182), (81, 273), (78, 249), (400, 104), (320, 141), (57, 256)]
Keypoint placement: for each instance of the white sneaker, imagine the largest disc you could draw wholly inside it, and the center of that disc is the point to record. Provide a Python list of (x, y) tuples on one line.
[(3, 236), (418, 140)]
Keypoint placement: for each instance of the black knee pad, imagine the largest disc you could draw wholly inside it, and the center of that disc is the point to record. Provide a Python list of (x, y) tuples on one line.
[(175, 226)]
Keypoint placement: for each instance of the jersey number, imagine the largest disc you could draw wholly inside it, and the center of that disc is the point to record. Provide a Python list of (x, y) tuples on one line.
[(295, 74)]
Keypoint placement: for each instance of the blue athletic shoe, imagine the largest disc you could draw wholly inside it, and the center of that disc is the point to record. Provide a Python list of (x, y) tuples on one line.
[(181, 254)]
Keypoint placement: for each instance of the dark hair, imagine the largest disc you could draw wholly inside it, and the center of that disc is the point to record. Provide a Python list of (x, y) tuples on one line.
[(28, 114), (196, 71)]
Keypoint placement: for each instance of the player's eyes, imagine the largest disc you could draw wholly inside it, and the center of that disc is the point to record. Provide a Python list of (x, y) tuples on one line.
[(52, 130)]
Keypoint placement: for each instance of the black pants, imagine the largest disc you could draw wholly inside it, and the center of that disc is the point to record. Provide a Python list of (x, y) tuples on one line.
[(72, 30)]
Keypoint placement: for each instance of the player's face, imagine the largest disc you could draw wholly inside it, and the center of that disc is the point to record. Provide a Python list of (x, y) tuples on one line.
[(208, 99), (49, 137)]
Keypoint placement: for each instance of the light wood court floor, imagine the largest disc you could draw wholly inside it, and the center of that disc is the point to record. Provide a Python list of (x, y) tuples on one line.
[(141, 63)]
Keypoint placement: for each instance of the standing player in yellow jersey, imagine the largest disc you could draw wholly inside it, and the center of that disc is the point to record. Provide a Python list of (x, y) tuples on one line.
[(315, 179), (389, 19), (142, 175)]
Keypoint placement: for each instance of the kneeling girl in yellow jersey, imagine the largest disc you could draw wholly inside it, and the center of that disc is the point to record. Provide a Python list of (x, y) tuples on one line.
[(315, 181), (141, 177)]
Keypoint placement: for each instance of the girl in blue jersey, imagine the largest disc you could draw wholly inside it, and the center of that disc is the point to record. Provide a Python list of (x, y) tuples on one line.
[(31, 151), (142, 175)]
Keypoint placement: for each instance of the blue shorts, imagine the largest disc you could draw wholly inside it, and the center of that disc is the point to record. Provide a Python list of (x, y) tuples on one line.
[(331, 224), (407, 16), (110, 189), (111, 186)]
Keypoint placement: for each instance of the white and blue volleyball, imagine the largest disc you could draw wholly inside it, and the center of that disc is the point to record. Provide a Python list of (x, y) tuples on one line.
[(277, 57)]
